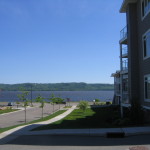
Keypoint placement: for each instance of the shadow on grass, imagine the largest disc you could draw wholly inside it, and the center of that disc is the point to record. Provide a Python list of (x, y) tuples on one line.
[(96, 117)]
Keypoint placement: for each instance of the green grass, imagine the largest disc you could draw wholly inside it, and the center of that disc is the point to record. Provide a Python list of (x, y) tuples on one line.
[(67, 106), (7, 111), (102, 117), (35, 121)]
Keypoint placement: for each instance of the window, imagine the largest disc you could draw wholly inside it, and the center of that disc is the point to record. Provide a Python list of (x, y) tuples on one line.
[(145, 7), (147, 87), (146, 45)]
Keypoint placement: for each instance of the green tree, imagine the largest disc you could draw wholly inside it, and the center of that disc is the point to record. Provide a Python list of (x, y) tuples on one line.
[(40, 99), (83, 105), (97, 101), (17, 102), (23, 98), (59, 100), (52, 100), (68, 101)]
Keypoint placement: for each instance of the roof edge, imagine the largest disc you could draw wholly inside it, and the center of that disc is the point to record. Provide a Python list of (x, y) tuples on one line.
[(124, 5)]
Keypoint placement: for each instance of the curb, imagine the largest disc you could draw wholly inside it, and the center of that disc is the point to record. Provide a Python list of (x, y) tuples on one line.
[(103, 132), (21, 109)]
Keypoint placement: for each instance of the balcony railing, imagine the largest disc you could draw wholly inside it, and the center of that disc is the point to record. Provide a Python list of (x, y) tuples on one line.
[(124, 51), (125, 98), (123, 33), (125, 64), (118, 92)]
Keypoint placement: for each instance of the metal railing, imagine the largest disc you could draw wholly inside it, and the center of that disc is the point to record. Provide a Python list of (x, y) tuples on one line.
[(118, 92), (123, 33), (125, 64), (125, 98), (125, 51)]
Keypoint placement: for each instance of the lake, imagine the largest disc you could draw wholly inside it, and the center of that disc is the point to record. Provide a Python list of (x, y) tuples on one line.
[(11, 96)]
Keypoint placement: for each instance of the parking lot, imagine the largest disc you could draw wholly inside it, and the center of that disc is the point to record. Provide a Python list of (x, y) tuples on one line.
[(33, 113)]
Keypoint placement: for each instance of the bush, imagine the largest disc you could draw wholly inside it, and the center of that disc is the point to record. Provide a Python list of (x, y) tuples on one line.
[(83, 105), (97, 100), (122, 122), (108, 103)]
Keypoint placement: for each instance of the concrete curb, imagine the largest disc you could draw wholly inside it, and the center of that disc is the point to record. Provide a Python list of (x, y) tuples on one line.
[(19, 109), (92, 132), (136, 131)]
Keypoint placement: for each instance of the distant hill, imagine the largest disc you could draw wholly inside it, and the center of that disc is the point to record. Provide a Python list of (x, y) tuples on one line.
[(56, 87)]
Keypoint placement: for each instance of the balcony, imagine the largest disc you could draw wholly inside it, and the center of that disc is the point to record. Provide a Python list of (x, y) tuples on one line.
[(125, 64), (117, 88), (125, 52), (125, 98), (118, 93), (124, 67), (123, 35)]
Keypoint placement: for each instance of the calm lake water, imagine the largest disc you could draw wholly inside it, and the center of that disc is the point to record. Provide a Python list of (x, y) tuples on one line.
[(11, 96)]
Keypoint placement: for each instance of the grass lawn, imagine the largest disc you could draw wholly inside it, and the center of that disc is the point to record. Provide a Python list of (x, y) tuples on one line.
[(35, 121), (67, 106), (100, 117), (8, 110)]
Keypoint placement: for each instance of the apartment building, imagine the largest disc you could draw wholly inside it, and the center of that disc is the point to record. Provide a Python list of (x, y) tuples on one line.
[(134, 43), (117, 85)]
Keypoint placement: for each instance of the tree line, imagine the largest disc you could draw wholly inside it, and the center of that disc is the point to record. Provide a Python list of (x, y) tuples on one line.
[(57, 87)]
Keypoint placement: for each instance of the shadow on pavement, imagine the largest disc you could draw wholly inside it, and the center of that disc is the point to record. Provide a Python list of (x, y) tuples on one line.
[(70, 140), (48, 140)]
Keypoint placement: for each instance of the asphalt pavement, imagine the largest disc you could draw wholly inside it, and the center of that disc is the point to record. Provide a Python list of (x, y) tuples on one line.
[(33, 113)]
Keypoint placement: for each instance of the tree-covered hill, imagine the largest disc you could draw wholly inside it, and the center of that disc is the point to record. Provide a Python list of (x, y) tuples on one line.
[(56, 87)]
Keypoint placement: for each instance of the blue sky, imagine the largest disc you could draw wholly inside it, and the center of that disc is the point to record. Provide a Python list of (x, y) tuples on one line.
[(52, 41)]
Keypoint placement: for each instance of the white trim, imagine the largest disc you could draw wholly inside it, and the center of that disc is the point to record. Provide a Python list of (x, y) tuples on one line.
[(143, 17), (146, 100), (144, 58), (146, 107)]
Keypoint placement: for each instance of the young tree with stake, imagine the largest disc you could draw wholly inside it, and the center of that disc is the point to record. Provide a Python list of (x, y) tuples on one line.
[(23, 98), (40, 99)]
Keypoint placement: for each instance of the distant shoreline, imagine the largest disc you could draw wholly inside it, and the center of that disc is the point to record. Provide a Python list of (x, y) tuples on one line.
[(57, 87)]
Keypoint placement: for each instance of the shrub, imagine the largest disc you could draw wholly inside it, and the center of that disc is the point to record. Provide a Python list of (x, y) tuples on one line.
[(83, 105), (97, 100)]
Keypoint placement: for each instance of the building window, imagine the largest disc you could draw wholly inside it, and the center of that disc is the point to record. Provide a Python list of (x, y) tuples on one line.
[(145, 7), (146, 45), (147, 87)]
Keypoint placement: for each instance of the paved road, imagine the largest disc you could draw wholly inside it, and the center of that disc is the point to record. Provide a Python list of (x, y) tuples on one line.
[(33, 113), (47, 142)]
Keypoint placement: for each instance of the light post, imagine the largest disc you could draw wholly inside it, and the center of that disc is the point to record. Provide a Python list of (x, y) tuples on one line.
[(31, 95)]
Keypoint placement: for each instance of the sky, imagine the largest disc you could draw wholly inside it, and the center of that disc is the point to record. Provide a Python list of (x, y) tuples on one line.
[(55, 41)]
